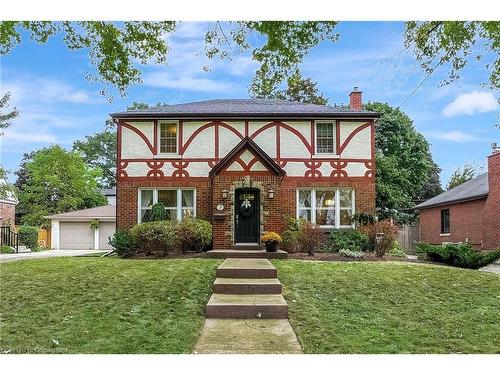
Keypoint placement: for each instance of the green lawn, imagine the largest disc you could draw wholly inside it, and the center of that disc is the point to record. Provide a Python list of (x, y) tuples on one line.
[(103, 305), (382, 307)]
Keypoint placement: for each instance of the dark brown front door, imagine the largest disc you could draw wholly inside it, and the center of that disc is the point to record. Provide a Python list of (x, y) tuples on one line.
[(247, 215)]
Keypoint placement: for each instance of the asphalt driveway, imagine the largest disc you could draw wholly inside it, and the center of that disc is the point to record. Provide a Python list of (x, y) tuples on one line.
[(47, 254)]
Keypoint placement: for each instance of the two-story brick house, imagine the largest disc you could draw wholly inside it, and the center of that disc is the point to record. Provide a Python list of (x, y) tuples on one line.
[(246, 164)]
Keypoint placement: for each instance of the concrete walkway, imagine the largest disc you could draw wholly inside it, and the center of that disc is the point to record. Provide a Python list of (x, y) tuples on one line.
[(246, 313), (493, 268), (46, 254)]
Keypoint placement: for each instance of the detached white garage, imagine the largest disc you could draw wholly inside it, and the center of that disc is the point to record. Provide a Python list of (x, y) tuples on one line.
[(83, 229)]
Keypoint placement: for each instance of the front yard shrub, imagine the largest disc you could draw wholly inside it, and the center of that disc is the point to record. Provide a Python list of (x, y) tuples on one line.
[(157, 238), (4, 249), (311, 238), (352, 253), (291, 241), (158, 212), (194, 234), (381, 236), (123, 243), (28, 236), (458, 255), (351, 239), (397, 251)]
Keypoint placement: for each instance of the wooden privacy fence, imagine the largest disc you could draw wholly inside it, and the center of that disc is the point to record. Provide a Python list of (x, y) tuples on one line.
[(44, 238), (408, 235)]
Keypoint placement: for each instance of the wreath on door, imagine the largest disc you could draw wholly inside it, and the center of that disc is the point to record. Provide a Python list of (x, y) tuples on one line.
[(246, 208)]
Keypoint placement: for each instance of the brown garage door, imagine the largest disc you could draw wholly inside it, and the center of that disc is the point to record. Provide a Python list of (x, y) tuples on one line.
[(106, 230), (76, 236)]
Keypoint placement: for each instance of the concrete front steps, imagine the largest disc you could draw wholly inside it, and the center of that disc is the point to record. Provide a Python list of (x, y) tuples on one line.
[(247, 253), (247, 289)]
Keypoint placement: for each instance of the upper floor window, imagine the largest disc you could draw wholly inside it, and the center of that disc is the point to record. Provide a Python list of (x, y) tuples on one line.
[(168, 138), (445, 221), (325, 137)]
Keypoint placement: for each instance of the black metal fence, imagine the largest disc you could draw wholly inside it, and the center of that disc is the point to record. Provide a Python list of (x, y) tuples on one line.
[(9, 237)]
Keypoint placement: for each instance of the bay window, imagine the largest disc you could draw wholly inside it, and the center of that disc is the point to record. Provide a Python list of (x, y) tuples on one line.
[(179, 203), (326, 207)]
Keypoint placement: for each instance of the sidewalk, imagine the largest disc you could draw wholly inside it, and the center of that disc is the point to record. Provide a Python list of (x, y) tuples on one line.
[(46, 254)]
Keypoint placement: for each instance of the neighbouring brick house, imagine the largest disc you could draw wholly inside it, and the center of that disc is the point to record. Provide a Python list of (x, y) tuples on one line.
[(469, 212), (246, 164), (8, 202)]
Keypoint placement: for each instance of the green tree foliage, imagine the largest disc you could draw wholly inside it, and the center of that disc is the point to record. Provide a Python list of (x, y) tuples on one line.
[(6, 189), (461, 175), (452, 43), (6, 117), (99, 151), (432, 186), (56, 180), (297, 89), (115, 47), (404, 162)]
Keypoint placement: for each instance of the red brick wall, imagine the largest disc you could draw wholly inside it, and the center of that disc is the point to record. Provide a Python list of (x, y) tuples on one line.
[(273, 210), (126, 197), (475, 221), (7, 213), (465, 223)]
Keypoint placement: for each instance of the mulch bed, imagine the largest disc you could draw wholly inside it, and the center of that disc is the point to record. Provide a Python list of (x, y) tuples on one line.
[(338, 257)]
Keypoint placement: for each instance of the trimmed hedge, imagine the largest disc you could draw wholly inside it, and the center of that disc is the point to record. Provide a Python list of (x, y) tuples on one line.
[(160, 238), (194, 234), (28, 236), (458, 255), (350, 239)]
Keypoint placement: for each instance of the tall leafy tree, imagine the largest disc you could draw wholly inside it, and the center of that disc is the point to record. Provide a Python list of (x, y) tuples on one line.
[(297, 89), (115, 48), (404, 162), (6, 115), (461, 175), (99, 151), (432, 186), (453, 43), (56, 180)]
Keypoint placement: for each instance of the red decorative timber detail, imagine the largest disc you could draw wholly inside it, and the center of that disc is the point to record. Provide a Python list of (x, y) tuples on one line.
[(121, 169), (338, 167), (313, 138), (337, 135), (211, 163), (282, 163), (348, 139), (246, 128), (206, 126), (151, 147), (313, 171), (180, 168), (369, 172), (284, 126), (155, 170)]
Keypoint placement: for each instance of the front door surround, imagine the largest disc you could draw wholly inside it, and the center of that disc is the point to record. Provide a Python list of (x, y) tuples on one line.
[(246, 215)]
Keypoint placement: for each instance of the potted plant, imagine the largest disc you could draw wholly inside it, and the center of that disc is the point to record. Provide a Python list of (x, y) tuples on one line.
[(271, 239)]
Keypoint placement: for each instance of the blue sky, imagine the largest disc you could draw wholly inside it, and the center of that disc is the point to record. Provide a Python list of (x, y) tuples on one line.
[(58, 105)]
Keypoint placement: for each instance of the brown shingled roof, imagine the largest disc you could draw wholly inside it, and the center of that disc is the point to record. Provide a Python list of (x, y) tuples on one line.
[(107, 211)]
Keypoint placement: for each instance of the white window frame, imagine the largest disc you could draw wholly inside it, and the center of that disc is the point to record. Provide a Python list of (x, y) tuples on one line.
[(337, 205), (155, 200), (167, 154), (335, 151)]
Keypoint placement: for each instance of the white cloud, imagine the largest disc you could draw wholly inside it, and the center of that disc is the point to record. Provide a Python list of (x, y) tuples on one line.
[(471, 103), (191, 83), (456, 136), (11, 135)]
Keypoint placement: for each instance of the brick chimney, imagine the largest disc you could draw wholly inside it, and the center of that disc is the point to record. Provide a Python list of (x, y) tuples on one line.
[(491, 224), (355, 100)]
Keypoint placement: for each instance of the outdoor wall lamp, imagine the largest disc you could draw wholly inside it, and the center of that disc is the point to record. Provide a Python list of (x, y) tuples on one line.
[(271, 194), (224, 193)]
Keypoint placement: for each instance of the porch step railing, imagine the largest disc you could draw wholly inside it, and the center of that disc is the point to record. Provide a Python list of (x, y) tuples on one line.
[(9, 237)]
